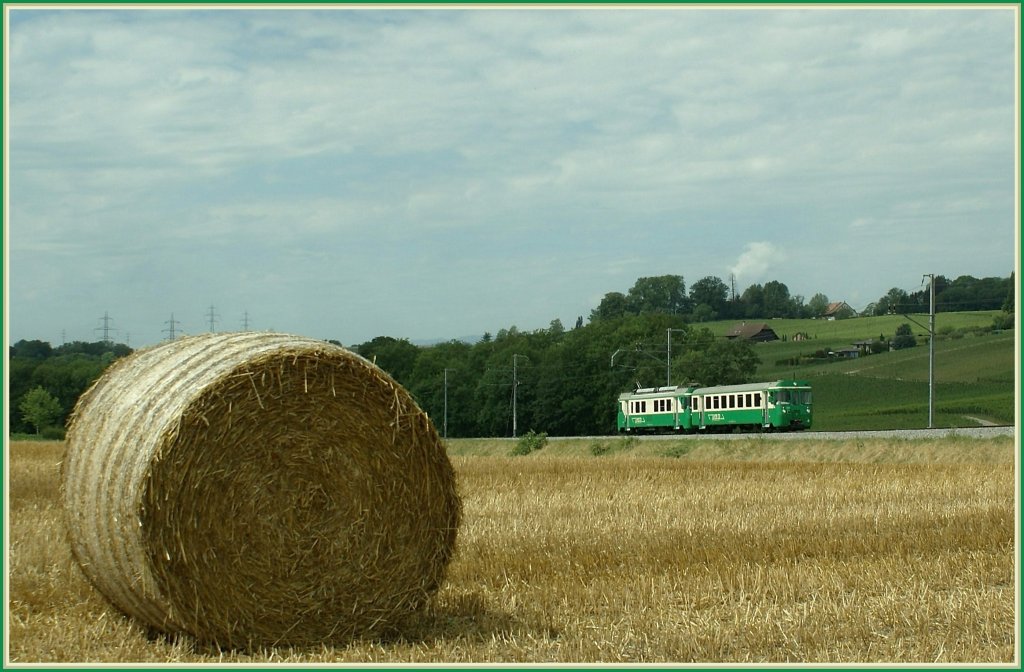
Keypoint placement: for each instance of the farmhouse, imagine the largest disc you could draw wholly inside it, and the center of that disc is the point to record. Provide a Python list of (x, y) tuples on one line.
[(840, 310), (865, 347), (758, 332)]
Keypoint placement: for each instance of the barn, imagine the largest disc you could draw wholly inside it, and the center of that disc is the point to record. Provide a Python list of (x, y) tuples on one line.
[(758, 332)]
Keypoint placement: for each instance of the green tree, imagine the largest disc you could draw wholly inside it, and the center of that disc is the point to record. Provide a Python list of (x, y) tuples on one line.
[(895, 301), (777, 301), (40, 409), (659, 294), (817, 306), (722, 363), (702, 312), (31, 350), (712, 292), (753, 301), (446, 365), (613, 305), (394, 355), (904, 337)]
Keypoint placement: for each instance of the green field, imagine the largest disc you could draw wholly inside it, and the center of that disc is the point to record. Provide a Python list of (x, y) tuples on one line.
[(974, 371)]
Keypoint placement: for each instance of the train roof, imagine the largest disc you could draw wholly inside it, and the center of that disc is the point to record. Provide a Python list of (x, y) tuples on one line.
[(752, 387), (653, 392)]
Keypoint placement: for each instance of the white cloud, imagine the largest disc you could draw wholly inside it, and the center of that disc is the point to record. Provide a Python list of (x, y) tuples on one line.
[(757, 259), (195, 142)]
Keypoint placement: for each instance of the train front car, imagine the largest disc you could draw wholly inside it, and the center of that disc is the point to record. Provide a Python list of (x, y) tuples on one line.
[(769, 406), (790, 405)]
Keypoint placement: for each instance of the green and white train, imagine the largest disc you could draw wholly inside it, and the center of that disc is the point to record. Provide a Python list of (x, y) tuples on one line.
[(781, 405)]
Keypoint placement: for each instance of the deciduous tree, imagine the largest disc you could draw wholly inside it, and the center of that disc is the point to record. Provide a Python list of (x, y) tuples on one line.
[(40, 409)]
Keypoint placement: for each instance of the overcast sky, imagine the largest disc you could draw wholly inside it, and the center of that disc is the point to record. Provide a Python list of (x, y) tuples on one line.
[(349, 173)]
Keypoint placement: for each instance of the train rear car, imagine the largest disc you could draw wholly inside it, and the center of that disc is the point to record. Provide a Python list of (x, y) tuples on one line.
[(655, 409)]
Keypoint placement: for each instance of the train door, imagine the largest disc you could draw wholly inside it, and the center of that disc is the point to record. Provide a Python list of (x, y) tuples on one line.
[(683, 412)]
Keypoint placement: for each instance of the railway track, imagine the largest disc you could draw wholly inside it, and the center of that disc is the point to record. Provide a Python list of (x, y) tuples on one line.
[(943, 432)]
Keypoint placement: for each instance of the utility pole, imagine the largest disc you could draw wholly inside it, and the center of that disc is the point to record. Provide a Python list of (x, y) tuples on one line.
[(668, 357), (212, 316), (446, 402), (170, 329), (931, 347), (931, 351), (245, 321), (515, 387)]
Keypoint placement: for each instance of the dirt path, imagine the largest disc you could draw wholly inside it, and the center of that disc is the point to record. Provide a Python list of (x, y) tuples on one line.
[(981, 421)]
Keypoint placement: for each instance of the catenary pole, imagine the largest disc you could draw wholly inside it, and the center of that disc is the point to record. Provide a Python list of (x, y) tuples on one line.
[(931, 352)]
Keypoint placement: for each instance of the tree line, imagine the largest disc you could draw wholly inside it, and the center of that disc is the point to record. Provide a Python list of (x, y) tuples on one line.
[(965, 293), (557, 380), (45, 382), (711, 299)]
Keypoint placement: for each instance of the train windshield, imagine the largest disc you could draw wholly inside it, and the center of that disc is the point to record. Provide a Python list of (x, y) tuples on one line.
[(793, 397)]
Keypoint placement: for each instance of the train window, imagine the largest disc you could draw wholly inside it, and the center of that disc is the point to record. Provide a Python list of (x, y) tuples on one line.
[(757, 399), (749, 401)]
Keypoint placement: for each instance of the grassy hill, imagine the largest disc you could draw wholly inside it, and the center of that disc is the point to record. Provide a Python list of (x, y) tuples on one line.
[(974, 371)]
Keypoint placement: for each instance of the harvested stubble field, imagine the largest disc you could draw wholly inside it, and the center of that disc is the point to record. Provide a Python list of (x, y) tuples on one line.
[(877, 553)]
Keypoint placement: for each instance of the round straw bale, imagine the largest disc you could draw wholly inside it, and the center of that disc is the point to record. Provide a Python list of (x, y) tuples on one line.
[(255, 489)]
